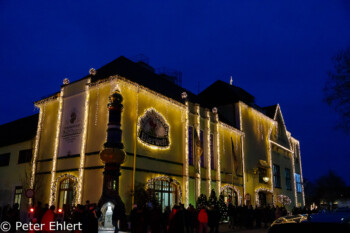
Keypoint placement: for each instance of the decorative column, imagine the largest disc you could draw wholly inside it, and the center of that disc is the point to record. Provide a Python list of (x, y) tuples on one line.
[(301, 175), (208, 152), (198, 151), (217, 151), (113, 155), (185, 153), (57, 139)]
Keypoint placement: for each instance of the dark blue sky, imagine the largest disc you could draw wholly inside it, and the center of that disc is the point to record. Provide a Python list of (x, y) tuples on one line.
[(279, 51)]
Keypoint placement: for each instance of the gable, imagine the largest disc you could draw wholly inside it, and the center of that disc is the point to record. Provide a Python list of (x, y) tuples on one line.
[(281, 134)]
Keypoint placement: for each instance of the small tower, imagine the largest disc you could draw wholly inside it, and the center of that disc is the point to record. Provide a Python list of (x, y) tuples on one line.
[(112, 155)]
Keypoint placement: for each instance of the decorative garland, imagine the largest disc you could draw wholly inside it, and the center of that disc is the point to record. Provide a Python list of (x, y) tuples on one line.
[(230, 186), (150, 182), (283, 199), (62, 177)]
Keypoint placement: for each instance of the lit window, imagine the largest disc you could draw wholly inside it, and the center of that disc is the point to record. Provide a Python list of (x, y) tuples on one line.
[(298, 183), (230, 196), (18, 195), (165, 192), (66, 194), (276, 176)]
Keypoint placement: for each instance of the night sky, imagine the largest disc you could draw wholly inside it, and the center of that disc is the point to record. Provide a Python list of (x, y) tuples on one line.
[(279, 51)]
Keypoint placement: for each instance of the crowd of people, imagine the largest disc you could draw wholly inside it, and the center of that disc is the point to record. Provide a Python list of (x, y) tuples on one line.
[(151, 218), (10, 214)]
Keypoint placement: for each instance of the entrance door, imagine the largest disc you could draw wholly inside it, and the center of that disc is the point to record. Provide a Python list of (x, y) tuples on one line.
[(262, 198), (66, 195)]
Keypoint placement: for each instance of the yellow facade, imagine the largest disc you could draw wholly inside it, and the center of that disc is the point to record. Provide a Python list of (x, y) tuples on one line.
[(237, 152)]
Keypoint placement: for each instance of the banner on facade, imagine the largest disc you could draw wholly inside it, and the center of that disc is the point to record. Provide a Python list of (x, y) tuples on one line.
[(72, 125)]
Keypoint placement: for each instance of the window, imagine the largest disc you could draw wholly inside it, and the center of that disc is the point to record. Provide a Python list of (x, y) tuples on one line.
[(230, 196), (190, 145), (212, 151), (262, 174), (298, 183), (288, 180), (25, 156), (201, 137), (165, 192), (276, 176), (296, 155), (4, 159), (18, 195), (66, 194)]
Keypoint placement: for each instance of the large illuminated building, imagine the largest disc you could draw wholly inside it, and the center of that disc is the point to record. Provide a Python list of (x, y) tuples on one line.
[(177, 144)]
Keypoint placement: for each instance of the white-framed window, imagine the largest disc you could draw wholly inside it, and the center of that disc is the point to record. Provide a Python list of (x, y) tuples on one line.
[(298, 182)]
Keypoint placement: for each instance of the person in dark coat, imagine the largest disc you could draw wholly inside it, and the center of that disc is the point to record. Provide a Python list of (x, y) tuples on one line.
[(133, 219), (191, 215), (90, 223), (179, 220), (155, 219), (13, 216)]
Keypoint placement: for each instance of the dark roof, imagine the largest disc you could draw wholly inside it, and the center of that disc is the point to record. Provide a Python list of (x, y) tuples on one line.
[(144, 75), (19, 130), (270, 111), (221, 93)]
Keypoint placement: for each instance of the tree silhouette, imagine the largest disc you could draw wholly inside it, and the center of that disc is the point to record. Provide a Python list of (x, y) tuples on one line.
[(337, 89), (330, 187)]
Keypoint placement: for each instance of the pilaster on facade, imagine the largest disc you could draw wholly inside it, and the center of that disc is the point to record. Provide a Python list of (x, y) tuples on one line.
[(217, 151), (301, 175), (42, 109), (197, 158), (185, 169), (83, 144), (54, 159), (270, 161), (207, 151), (243, 165)]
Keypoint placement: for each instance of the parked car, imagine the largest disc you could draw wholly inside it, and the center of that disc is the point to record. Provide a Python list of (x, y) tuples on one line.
[(324, 222)]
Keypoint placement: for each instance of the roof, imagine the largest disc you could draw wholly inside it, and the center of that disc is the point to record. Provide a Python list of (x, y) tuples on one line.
[(19, 130), (144, 75), (270, 111), (217, 94), (221, 93)]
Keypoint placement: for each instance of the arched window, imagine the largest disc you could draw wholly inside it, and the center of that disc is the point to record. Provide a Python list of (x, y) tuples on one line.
[(230, 195), (165, 192), (66, 194)]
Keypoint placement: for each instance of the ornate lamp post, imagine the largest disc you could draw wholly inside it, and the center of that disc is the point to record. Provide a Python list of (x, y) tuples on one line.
[(113, 155)]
